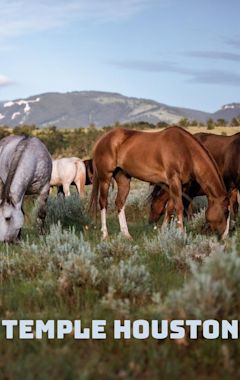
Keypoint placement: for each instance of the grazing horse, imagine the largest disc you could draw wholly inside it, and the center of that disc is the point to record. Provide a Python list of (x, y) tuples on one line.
[(67, 171), (226, 152), (89, 171), (25, 169), (171, 157)]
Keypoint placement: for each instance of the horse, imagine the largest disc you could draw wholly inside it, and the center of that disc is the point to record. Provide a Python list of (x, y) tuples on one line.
[(67, 171), (225, 151), (89, 171), (25, 169), (172, 157)]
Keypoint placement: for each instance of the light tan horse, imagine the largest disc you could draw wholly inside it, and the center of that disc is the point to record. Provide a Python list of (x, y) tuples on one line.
[(171, 157), (66, 171)]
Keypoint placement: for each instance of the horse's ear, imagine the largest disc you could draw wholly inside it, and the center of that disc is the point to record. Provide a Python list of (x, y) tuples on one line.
[(1, 189)]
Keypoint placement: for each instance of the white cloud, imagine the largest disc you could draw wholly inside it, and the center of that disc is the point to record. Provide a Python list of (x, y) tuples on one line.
[(4, 81), (19, 17), (207, 76)]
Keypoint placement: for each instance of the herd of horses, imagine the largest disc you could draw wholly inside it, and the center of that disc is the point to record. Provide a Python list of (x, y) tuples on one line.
[(180, 166)]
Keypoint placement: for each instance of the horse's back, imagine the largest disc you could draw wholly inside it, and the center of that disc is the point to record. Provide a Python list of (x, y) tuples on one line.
[(66, 169), (225, 151), (150, 156), (25, 164)]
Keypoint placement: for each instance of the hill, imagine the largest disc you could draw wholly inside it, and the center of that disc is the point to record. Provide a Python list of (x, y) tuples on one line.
[(80, 109)]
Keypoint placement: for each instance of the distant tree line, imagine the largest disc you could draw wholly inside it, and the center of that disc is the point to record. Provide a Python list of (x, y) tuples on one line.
[(210, 123), (79, 141)]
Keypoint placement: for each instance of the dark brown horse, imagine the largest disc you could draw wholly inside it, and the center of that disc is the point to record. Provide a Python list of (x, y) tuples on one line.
[(89, 171), (171, 157), (226, 152)]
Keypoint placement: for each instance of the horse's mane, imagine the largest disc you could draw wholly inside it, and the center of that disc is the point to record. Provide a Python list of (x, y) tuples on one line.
[(155, 193), (13, 166)]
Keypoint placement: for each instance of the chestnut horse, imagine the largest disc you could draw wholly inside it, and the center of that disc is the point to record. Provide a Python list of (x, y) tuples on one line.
[(226, 152), (171, 157)]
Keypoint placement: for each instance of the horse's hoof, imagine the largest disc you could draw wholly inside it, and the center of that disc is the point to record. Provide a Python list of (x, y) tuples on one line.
[(128, 236), (105, 237)]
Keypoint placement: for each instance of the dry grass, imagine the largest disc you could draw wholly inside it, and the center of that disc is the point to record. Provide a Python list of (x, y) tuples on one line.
[(228, 130)]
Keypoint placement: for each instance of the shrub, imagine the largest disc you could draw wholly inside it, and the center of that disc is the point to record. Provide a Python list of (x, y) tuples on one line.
[(18, 265), (130, 278), (68, 254), (181, 248), (68, 211), (212, 292), (169, 240), (119, 305), (122, 269), (116, 249), (197, 222)]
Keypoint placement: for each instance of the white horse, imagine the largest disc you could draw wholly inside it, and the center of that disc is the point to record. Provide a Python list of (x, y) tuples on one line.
[(25, 169), (67, 171)]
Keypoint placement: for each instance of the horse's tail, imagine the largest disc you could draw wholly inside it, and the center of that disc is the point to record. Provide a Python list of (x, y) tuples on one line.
[(80, 176), (95, 191)]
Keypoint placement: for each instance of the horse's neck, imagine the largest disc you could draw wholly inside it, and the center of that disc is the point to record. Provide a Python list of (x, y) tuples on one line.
[(208, 176)]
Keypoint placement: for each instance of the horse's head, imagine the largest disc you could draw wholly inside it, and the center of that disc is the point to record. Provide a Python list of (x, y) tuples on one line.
[(218, 216), (11, 217), (158, 200)]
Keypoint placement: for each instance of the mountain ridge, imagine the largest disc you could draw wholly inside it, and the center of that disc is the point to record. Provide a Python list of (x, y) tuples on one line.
[(82, 108)]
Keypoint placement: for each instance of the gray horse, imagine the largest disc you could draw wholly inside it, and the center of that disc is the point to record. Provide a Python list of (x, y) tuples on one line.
[(25, 169)]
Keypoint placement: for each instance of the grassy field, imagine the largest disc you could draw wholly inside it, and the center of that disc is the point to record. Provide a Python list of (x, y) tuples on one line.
[(70, 274), (79, 142), (162, 274)]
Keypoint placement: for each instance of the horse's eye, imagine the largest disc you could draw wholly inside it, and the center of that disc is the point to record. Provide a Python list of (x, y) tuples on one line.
[(8, 218)]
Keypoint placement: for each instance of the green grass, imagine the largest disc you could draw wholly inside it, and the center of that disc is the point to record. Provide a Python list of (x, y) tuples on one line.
[(71, 274)]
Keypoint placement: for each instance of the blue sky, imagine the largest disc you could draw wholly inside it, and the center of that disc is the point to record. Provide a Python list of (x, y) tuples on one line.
[(180, 52)]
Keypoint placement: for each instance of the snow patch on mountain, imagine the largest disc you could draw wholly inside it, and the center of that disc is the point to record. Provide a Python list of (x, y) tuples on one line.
[(22, 102), (231, 106), (8, 104), (15, 114)]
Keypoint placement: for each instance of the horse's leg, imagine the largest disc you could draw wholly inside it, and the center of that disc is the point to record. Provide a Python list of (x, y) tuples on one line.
[(80, 183), (60, 190), (175, 193), (169, 210), (234, 203), (123, 183), (188, 208), (103, 196), (42, 206), (66, 189), (189, 211)]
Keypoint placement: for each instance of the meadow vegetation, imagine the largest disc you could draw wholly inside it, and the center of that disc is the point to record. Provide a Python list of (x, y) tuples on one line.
[(79, 141), (69, 273)]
